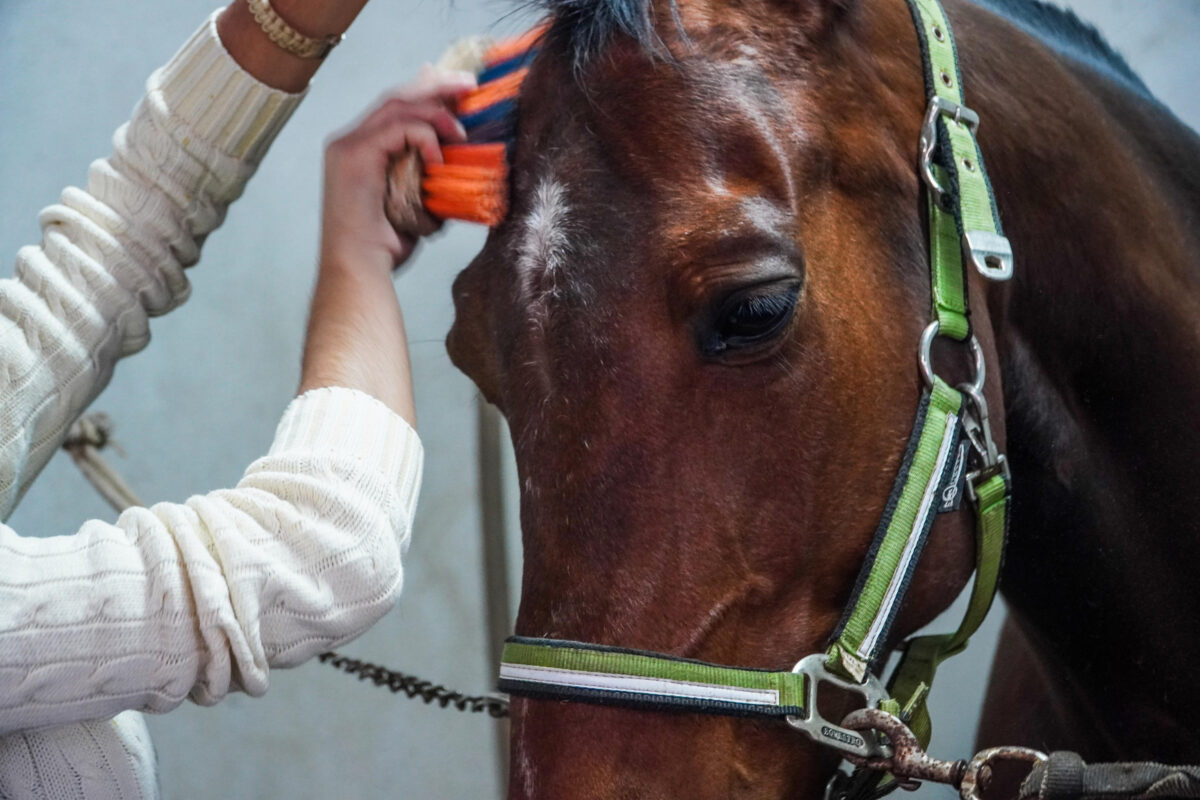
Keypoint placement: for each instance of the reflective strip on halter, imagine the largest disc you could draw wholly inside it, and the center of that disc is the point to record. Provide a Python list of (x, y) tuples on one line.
[(564, 670), (927, 471), (912, 547)]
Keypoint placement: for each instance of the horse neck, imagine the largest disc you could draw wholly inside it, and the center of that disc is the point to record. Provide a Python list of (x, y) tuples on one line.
[(1099, 343)]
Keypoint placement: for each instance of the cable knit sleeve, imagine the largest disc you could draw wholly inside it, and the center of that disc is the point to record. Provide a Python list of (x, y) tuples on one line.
[(200, 598), (113, 255)]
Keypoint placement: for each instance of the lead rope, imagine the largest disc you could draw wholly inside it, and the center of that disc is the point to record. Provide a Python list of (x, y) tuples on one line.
[(1017, 772), (1065, 776), (92, 433)]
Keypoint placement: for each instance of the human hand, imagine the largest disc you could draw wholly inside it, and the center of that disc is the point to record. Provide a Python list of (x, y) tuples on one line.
[(355, 231)]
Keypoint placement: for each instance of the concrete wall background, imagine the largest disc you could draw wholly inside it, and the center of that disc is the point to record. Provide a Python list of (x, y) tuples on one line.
[(202, 402)]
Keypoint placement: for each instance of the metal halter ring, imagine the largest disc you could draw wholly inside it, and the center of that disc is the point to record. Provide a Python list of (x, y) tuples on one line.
[(925, 358)]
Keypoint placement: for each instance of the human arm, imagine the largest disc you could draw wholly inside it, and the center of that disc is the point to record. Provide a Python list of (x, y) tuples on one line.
[(356, 328), (113, 253), (201, 598)]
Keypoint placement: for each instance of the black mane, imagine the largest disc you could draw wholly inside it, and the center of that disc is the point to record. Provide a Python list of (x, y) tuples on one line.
[(583, 27), (1062, 31)]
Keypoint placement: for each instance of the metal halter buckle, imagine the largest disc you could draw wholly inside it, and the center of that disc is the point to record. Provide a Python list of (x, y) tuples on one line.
[(990, 253), (975, 419), (821, 730), (939, 106)]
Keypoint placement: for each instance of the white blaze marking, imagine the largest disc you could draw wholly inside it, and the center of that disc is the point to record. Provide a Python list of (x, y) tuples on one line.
[(543, 248)]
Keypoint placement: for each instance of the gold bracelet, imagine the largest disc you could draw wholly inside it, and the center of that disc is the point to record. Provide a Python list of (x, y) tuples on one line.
[(287, 37)]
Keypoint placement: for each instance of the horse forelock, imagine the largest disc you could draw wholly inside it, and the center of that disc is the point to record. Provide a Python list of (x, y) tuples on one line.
[(584, 27)]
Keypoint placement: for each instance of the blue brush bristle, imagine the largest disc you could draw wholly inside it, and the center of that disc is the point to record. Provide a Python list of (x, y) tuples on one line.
[(503, 68), (493, 124)]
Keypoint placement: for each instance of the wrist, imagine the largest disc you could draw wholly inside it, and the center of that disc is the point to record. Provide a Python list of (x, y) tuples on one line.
[(254, 51), (318, 20), (363, 265)]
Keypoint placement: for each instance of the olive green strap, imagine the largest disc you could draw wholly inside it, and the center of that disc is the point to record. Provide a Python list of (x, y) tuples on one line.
[(590, 673), (952, 167), (914, 674), (931, 467), (566, 671), (947, 275)]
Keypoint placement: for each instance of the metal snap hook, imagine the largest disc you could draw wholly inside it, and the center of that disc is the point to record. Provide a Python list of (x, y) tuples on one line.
[(978, 426), (908, 761)]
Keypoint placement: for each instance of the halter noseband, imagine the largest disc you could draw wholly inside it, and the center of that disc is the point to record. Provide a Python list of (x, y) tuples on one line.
[(950, 453)]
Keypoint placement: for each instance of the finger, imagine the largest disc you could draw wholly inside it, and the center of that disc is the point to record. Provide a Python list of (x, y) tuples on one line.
[(432, 112), (433, 89), (406, 133), (362, 128), (433, 83), (383, 109), (448, 127)]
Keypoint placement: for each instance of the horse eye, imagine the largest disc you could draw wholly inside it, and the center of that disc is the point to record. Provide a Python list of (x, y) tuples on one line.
[(751, 318)]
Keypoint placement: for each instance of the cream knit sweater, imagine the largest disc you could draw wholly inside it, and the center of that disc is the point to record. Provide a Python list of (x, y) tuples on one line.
[(188, 600)]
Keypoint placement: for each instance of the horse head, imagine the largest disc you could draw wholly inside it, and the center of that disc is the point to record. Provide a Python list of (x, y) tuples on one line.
[(700, 319)]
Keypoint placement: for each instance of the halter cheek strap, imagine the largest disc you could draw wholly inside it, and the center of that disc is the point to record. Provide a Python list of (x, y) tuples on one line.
[(949, 453), (930, 479)]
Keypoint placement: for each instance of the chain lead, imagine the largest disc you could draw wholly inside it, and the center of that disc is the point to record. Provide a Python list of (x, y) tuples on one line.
[(412, 686)]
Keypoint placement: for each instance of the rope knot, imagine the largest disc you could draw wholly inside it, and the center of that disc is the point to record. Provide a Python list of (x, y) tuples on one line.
[(93, 430)]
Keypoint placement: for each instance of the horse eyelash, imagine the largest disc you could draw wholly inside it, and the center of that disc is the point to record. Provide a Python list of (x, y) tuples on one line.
[(767, 304)]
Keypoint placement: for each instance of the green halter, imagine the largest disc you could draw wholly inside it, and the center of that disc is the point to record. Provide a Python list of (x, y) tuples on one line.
[(949, 453)]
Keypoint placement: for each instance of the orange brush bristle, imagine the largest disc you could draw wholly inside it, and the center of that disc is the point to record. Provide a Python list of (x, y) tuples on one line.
[(489, 94), (515, 46), (486, 154), (472, 183)]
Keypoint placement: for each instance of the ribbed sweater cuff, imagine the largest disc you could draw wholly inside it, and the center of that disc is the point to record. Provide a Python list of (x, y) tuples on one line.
[(224, 105), (352, 425)]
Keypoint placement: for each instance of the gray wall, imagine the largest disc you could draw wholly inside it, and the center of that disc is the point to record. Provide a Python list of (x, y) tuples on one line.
[(196, 408)]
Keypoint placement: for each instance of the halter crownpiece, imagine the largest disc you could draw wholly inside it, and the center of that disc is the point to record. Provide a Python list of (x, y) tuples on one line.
[(949, 453)]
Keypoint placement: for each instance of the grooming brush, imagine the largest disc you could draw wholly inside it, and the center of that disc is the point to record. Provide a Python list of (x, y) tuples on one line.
[(472, 182)]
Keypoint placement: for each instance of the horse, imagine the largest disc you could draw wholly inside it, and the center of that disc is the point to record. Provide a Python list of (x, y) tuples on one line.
[(700, 318)]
